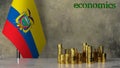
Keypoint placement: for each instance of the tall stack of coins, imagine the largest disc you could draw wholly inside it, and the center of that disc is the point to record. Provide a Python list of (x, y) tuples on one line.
[(100, 53), (60, 49), (84, 54), (88, 55), (73, 56)]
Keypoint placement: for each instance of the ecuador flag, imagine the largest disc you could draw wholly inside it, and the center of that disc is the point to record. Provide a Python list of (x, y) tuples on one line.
[(23, 28)]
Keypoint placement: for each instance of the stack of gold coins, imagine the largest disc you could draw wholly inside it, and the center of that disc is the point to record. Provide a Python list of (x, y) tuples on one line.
[(99, 59), (62, 59), (89, 55), (100, 52), (95, 55), (86, 52), (83, 56), (67, 58), (104, 57), (60, 49), (73, 56), (79, 58), (84, 46)]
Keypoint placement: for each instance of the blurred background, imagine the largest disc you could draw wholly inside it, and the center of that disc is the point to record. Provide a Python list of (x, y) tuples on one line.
[(62, 23)]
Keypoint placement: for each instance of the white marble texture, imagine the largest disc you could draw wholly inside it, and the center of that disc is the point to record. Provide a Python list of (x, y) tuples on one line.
[(52, 63)]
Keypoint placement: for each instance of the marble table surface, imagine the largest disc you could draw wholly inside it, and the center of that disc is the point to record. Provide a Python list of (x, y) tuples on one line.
[(52, 63)]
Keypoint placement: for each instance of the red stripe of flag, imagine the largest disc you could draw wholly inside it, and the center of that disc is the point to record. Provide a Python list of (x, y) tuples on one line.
[(14, 35)]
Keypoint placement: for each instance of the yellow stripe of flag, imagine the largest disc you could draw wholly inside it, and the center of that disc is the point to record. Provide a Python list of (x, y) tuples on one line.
[(36, 29)]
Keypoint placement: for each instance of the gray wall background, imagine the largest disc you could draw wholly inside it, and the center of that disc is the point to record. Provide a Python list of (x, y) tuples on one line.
[(64, 24)]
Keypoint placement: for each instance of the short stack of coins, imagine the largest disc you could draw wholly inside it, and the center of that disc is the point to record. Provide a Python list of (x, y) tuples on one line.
[(79, 58), (67, 56), (88, 55)]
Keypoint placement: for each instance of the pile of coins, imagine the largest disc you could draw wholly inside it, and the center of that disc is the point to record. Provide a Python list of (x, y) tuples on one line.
[(88, 55)]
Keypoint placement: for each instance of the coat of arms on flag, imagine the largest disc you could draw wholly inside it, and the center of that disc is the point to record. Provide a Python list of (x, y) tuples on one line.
[(24, 21)]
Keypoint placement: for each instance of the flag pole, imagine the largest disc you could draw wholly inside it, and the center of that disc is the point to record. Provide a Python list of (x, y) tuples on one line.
[(17, 55)]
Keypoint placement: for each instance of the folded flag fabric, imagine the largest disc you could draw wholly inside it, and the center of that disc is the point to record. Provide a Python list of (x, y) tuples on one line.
[(23, 28)]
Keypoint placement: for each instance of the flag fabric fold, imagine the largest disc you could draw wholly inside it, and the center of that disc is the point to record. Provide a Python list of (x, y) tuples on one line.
[(23, 28)]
